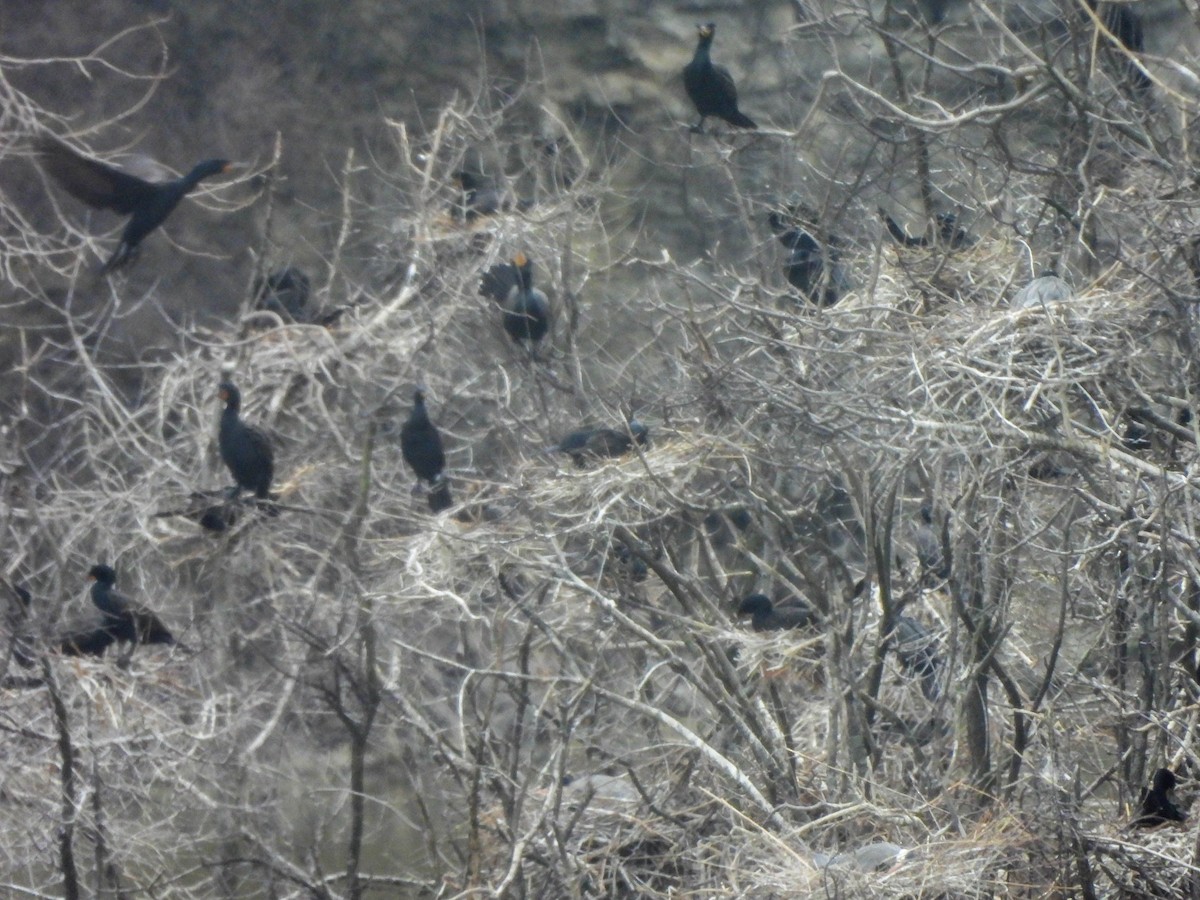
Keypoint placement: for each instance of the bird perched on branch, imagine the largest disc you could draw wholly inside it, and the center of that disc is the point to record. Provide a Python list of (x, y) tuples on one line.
[(929, 545), (526, 309), (710, 87), (594, 443), (421, 446), (808, 262), (480, 195), (914, 647), (782, 616), (123, 619), (1156, 808), (103, 186), (283, 292), (245, 450)]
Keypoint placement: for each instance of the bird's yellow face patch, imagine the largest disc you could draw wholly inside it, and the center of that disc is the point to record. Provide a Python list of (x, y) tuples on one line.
[(705, 31), (520, 259)]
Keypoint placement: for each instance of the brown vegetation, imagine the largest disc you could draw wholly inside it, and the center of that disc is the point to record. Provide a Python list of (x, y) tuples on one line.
[(545, 691)]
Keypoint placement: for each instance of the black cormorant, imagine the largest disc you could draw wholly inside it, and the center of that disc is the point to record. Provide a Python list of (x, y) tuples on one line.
[(805, 267), (1137, 438), (914, 647), (593, 443), (1156, 807), (421, 442), (103, 186), (711, 87), (526, 309), (480, 195), (929, 545), (767, 616), (283, 292), (1124, 23), (245, 450), (125, 620)]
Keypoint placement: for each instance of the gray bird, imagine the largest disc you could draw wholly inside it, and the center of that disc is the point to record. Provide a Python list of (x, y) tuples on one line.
[(914, 647), (1046, 288), (929, 545)]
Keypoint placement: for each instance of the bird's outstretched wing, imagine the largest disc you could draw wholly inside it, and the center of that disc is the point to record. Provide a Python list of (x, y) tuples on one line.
[(95, 183)]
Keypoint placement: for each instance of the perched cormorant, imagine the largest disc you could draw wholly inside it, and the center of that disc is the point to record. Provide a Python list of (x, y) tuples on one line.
[(806, 264), (948, 233), (767, 616), (929, 545), (245, 450), (103, 186), (711, 87), (284, 292), (480, 196), (526, 309), (629, 563), (421, 442), (1124, 23), (1137, 438), (1046, 288), (914, 647), (593, 443), (125, 620), (1156, 808)]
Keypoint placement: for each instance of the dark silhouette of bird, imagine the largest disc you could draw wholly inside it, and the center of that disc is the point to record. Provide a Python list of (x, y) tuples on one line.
[(587, 444), (710, 87), (91, 642), (421, 446), (806, 267), (914, 647), (947, 234), (1137, 438), (629, 564), (929, 545), (245, 450), (782, 616), (102, 186), (125, 620), (1124, 23), (1046, 288), (1156, 808), (526, 309), (479, 195), (283, 292)]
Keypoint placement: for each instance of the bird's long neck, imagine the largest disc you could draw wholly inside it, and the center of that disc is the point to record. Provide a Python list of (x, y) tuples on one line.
[(185, 184), (525, 278), (229, 417), (702, 49)]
